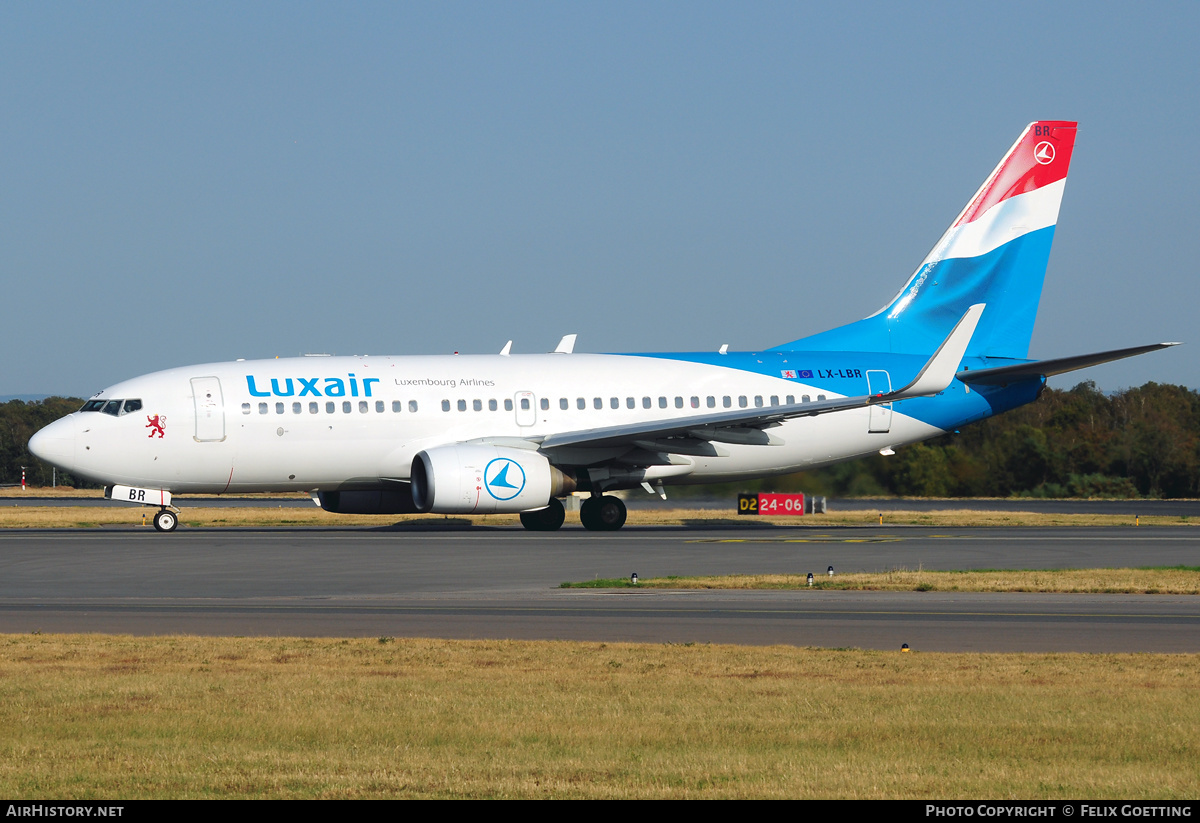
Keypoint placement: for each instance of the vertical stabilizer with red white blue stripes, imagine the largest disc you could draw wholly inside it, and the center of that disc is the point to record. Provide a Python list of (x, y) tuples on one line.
[(995, 253)]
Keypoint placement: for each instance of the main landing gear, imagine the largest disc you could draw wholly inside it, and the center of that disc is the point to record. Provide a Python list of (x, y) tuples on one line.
[(598, 514), (166, 520), (548, 519), (602, 514)]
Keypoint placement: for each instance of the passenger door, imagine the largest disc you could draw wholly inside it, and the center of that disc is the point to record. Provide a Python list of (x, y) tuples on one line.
[(880, 382), (210, 409)]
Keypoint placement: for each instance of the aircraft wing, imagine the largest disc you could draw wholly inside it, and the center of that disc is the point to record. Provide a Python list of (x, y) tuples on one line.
[(1048, 368), (746, 425)]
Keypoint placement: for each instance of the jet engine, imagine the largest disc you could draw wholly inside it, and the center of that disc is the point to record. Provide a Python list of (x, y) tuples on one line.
[(481, 479)]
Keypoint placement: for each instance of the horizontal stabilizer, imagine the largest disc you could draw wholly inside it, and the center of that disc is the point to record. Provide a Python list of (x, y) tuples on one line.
[(1048, 368)]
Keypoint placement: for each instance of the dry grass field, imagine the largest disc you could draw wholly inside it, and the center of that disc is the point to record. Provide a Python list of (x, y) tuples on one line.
[(187, 717), (1086, 581)]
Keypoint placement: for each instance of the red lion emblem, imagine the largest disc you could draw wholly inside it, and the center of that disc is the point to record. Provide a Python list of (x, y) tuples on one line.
[(158, 424)]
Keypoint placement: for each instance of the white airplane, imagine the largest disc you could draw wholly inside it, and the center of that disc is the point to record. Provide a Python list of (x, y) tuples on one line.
[(516, 433)]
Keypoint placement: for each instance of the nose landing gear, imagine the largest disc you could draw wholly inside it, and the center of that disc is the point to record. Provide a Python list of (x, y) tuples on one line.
[(166, 520)]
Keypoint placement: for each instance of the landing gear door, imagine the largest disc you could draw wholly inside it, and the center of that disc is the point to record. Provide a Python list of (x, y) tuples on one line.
[(210, 409), (523, 405), (880, 382)]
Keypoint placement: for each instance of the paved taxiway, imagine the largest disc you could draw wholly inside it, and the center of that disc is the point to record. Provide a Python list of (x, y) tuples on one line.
[(441, 580)]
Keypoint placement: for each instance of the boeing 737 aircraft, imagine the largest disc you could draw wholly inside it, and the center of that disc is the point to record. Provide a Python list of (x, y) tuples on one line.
[(516, 433)]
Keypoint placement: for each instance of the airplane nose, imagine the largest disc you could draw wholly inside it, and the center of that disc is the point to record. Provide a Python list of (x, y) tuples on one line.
[(55, 444)]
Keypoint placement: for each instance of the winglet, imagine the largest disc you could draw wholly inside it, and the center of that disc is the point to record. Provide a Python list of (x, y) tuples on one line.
[(938, 372), (566, 345), (504, 352)]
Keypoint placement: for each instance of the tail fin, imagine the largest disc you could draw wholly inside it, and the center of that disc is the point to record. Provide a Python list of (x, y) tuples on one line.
[(995, 253)]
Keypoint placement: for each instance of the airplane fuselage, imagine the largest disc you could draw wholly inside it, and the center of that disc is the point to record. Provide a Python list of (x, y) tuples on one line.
[(342, 423)]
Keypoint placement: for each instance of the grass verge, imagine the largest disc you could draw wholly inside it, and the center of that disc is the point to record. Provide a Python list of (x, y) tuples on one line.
[(1159, 580), (177, 717)]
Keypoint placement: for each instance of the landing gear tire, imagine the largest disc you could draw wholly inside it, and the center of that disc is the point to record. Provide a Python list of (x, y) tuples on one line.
[(602, 514), (165, 521), (549, 519)]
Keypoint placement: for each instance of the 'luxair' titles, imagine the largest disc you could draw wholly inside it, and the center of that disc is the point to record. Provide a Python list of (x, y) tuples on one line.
[(307, 386)]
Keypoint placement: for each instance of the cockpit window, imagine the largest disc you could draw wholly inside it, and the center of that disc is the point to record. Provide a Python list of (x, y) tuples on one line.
[(113, 407)]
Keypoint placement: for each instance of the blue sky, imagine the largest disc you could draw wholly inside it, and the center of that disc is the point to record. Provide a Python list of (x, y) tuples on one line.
[(189, 183)]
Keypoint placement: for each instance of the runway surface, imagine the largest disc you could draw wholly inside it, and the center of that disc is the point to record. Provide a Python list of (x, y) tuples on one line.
[(438, 579)]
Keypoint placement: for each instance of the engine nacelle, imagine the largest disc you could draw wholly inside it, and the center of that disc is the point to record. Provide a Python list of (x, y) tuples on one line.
[(481, 479)]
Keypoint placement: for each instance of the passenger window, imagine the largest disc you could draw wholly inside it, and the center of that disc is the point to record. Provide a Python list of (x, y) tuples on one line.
[(758, 401), (580, 403), (297, 408), (710, 401), (615, 402), (804, 398), (477, 405), (245, 408), (545, 403), (396, 406), (679, 402), (445, 405), (791, 398), (774, 400), (820, 397), (462, 405), (630, 403), (363, 408), (524, 404), (493, 405), (330, 407), (598, 403), (262, 408), (412, 405), (313, 408), (726, 402), (742, 402), (508, 406), (562, 403), (662, 402), (645, 402), (346, 407), (279, 408), (695, 402), (378, 406)]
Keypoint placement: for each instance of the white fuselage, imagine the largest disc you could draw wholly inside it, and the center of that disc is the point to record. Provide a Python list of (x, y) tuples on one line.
[(337, 423)]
